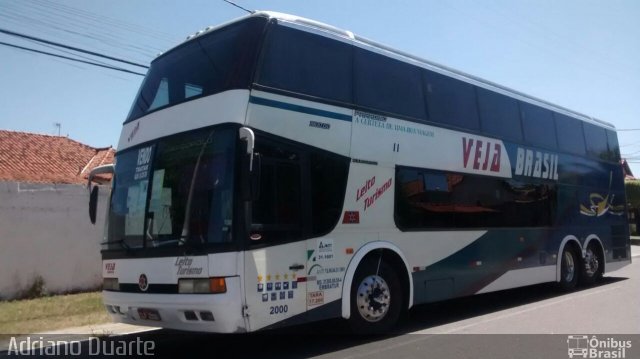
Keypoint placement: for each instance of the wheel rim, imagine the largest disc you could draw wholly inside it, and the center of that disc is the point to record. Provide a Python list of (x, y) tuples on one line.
[(569, 267), (373, 298), (591, 263)]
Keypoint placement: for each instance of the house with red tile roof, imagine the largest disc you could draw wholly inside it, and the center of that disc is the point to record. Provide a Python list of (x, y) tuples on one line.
[(36, 158), (44, 225)]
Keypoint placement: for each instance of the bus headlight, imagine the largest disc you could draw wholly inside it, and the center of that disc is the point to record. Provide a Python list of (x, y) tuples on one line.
[(202, 285), (110, 284)]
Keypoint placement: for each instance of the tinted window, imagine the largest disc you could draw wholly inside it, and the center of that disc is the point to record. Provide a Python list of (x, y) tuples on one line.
[(451, 102), (212, 63), (538, 125), (570, 136), (596, 140), (301, 191), (278, 211), (499, 115), (129, 197), (177, 191), (192, 185), (614, 148), (434, 199), (386, 84), (328, 183), (306, 63)]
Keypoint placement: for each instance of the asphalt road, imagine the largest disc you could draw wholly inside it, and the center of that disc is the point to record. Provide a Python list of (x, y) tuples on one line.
[(531, 322)]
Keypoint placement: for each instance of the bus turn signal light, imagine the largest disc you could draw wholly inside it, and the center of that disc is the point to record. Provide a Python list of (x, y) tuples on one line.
[(217, 285), (212, 285)]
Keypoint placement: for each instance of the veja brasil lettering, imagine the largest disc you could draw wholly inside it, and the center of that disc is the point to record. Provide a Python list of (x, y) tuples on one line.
[(536, 164), (484, 155)]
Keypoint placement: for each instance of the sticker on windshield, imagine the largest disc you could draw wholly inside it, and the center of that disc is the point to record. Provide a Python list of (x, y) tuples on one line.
[(142, 165)]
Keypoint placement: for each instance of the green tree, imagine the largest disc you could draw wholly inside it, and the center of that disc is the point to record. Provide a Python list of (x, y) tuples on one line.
[(633, 193)]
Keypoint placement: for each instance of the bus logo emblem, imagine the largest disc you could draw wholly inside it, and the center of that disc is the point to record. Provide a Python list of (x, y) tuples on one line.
[(143, 283)]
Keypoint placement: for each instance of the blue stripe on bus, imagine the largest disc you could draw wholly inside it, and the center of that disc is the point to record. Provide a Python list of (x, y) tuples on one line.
[(297, 108)]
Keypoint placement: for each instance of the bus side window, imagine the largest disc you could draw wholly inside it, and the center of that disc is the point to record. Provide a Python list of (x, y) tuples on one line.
[(302, 192), (276, 215)]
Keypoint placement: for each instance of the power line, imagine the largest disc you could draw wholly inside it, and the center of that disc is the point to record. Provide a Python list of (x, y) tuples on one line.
[(12, 33), (88, 30), (238, 6), (628, 129), (100, 19), (69, 52), (630, 144), (70, 58)]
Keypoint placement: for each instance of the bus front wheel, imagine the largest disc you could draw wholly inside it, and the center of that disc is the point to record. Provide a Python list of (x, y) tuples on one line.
[(376, 297)]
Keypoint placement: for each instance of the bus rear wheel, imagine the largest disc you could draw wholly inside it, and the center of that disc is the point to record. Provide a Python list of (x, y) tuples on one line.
[(376, 297), (593, 265), (569, 268)]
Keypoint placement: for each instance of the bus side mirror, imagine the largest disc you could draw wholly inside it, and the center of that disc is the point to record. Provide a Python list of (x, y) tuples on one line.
[(246, 134), (93, 196), (251, 166), (93, 204)]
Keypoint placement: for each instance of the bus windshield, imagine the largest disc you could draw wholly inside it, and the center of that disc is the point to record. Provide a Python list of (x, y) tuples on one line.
[(214, 62), (176, 191)]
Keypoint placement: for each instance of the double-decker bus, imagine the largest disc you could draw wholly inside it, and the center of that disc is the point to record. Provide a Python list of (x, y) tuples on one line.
[(275, 170)]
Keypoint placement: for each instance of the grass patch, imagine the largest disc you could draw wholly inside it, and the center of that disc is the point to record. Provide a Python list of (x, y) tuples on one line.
[(51, 313)]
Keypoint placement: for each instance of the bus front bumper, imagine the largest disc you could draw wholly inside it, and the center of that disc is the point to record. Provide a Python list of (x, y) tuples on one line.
[(218, 313)]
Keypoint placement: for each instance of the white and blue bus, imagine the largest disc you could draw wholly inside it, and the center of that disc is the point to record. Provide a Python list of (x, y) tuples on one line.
[(275, 170)]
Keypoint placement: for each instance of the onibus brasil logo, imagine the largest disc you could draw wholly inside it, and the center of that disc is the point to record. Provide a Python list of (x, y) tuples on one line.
[(581, 346)]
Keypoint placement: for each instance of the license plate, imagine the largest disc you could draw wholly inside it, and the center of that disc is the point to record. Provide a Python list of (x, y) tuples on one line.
[(148, 314)]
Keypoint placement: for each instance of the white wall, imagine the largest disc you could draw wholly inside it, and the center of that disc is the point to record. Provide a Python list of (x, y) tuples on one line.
[(45, 230)]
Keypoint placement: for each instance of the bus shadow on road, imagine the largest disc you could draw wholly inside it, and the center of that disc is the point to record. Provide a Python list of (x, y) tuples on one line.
[(427, 316)]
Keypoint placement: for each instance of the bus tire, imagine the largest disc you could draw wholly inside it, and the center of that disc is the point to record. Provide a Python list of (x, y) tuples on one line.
[(592, 265), (376, 297), (570, 264)]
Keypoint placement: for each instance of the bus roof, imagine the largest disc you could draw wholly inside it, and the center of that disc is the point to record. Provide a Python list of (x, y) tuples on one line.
[(406, 57)]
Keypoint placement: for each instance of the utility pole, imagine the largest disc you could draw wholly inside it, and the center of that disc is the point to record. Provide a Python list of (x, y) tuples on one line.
[(59, 126)]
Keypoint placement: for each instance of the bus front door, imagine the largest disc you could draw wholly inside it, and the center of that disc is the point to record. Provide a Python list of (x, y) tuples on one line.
[(275, 285)]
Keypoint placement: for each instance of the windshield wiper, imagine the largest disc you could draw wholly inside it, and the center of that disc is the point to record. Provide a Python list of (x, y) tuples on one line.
[(157, 242), (187, 215)]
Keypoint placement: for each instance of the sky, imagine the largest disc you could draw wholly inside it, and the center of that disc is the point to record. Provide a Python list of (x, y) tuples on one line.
[(580, 54)]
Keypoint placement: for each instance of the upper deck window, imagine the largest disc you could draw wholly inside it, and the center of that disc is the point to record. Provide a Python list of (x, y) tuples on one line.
[(539, 126), (389, 85), (305, 63), (596, 141), (570, 136), (451, 102), (499, 115), (215, 62), (614, 147)]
